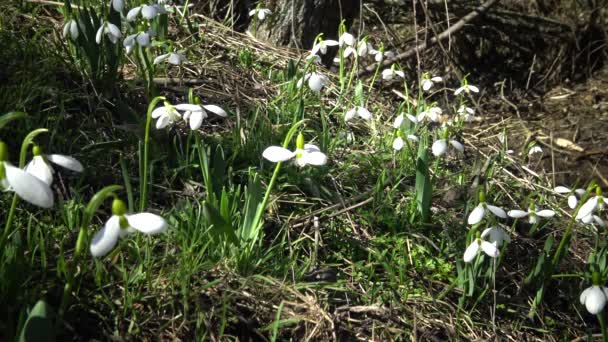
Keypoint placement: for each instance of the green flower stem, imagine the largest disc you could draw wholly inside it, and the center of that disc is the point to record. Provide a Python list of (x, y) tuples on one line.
[(149, 71), (600, 317), (143, 201)]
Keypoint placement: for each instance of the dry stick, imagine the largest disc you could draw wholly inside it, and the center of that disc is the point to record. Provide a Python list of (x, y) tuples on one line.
[(443, 35)]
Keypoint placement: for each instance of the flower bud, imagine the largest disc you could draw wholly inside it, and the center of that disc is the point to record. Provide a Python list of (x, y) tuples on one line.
[(118, 207), (36, 150), (482, 196), (300, 141)]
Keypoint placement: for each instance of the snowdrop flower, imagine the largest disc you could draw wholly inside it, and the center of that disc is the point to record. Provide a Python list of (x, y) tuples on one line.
[(316, 59), (316, 81), (427, 82), (305, 154), (166, 115), (466, 113), (118, 5), (141, 38), (71, 28), (147, 12), (535, 149), (379, 56), (41, 168), (496, 235), (482, 209), (195, 114), (594, 297), (346, 38), (26, 186), (261, 13), (174, 58), (592, 219), (322, 46), (120, 224), (477, 245), (434, 114), (440, 146), (594, 203), (398, 143), (361, 112), (466, 88), (363, 48), (109, 29), (572, 198), (389, 74), (531, 213)]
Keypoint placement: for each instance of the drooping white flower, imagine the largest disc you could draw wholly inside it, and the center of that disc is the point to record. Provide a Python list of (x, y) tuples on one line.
[(147, 12), (315, 58), (261, 13), (380, 56), (532, 214), (490, 249), (316, 81), (118, 5), (166, 115), (572, 198), (389, 74), (535, 149), (346, 38), (363, 48), (174, 58), (142, 39), (71, 28), (594, 298), (398, 143), (304, 154), (592, 204), (195, 114), (26, 186), (467, 88), (496, 235), (110, 30), (482, 209), (440, 146), (120, 224), (322, 46), (428, 82), (466, 113), (40, 166), (592, 219), (434, 114), (361, 112)]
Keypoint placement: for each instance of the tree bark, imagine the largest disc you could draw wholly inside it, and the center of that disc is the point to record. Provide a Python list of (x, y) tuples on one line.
[(296, 23)]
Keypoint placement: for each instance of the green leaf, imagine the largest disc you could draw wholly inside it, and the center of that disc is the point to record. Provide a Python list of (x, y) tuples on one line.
[(8, 117), (253, 204), (39, 324), (220, 226), (424, 191), (359, 98)]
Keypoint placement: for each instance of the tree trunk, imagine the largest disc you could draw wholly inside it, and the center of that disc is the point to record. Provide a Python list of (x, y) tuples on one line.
[(296, 23)]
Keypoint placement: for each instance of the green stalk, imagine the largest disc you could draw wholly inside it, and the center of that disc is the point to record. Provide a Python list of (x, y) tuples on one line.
[(143, 201), (600, 318), (150, 72)]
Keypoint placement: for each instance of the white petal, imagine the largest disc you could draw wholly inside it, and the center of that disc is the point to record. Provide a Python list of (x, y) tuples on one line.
[(580, 192), (311, 148), (400, 73), (437, 79), (473, 88), (40, 169), (413, 138), (495, 235), (277, 154), (316, 82), (535, 149), (74, 29), (99, 33), (349, 51), (65, 161), (561, 190), (350, 114), (546, 213), (253, 12), (114, 31), (412, 118), (106, 238), (132, 14), (118, 5), (471, 252), (426, 84), (28, 187), (314, 158), (160, 58), (587, 208), (188, 107), (66, 29), (216, 110), (458, 146), (149, 12), (398, 143), (490, 249), (439, 147), (176, 58), (459, 90), (595, 300), (398, 121), (497, 211), (584, 295), (196, 120), (476, 215), (163, 121), (517, 213), (572, 201), (331, 42), (147, 223), (143, 39), (599, 221), (157, 112), (364, 113), (129, 40)]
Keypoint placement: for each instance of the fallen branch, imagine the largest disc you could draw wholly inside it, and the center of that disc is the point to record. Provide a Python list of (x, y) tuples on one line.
[(442, 36)]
